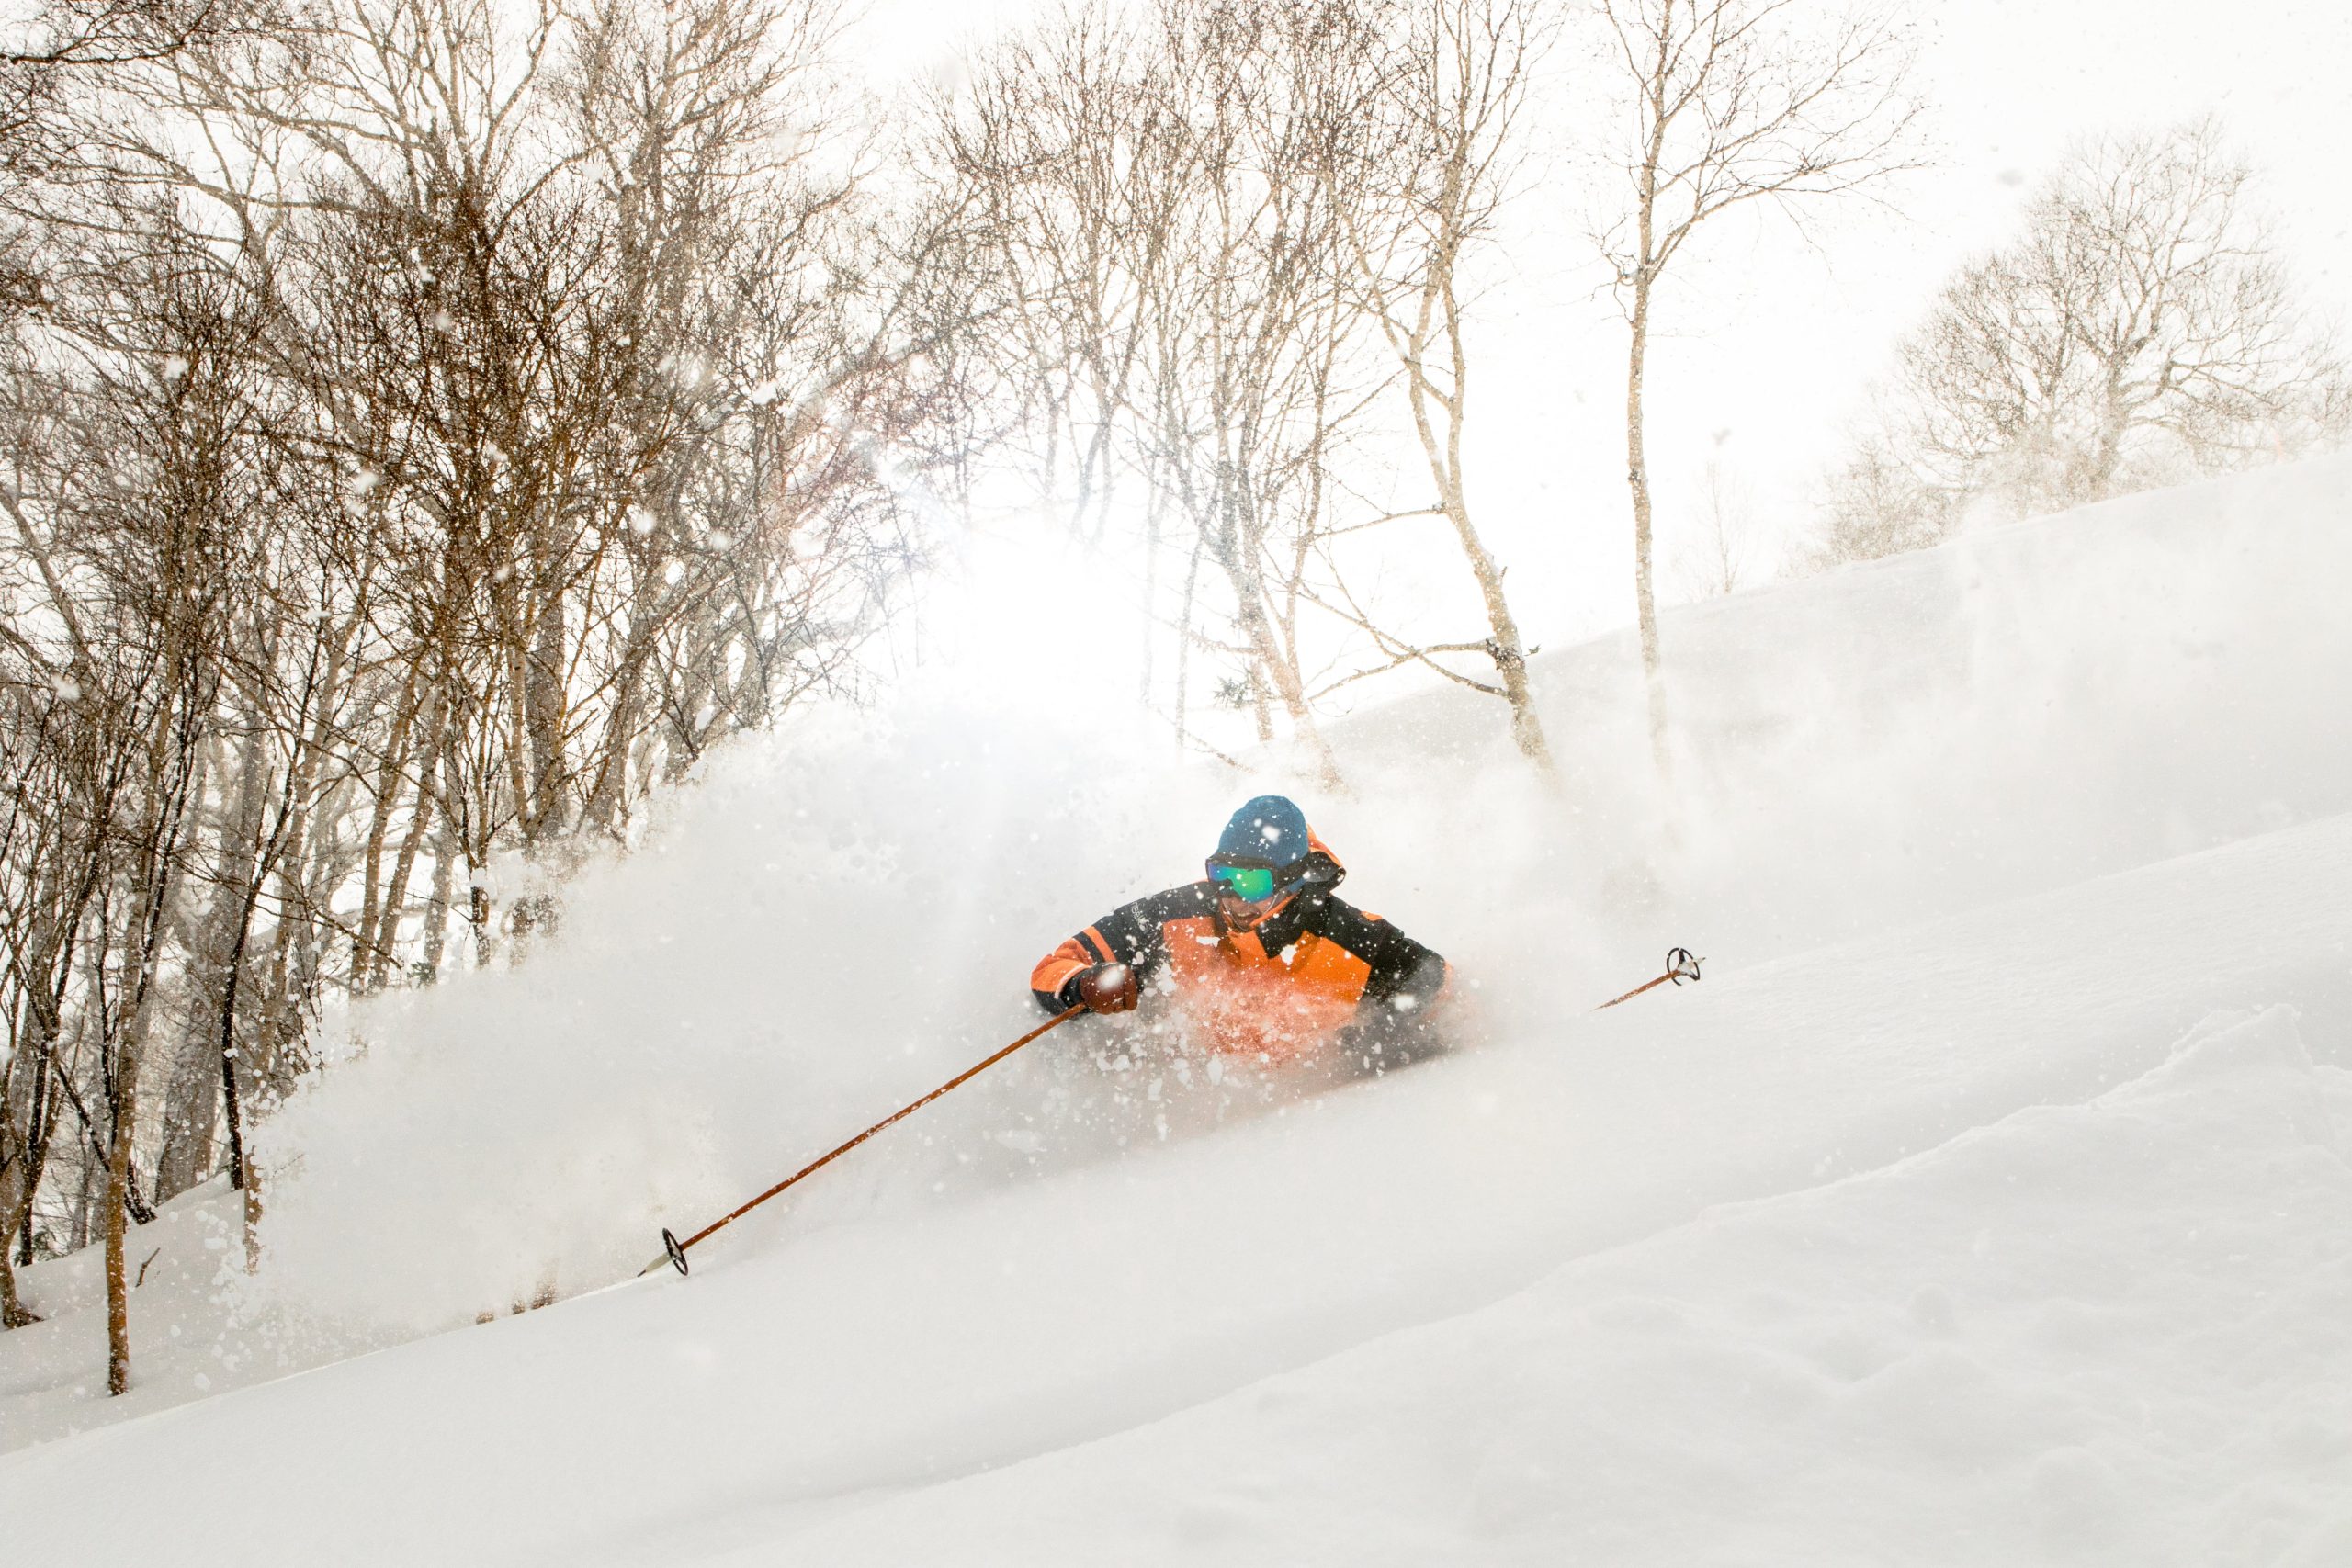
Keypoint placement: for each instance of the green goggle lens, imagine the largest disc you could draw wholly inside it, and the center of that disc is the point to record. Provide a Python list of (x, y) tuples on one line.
[(1249, 882)]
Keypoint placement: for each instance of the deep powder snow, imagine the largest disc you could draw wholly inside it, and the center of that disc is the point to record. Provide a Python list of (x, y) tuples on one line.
[(2020, 864)]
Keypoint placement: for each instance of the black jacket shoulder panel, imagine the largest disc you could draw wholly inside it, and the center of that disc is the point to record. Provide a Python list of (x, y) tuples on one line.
[(1397, 963)]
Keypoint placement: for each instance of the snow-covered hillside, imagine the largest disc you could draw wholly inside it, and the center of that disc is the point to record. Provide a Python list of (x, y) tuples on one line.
[(1989, 1203)]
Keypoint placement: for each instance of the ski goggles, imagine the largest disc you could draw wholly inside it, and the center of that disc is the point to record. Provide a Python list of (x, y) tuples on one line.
[(1250, 883)]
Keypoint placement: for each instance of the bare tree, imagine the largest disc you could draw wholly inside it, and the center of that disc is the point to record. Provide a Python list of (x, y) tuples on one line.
[(1422, 170), (1168, 262), (429, 436), (1730, 102), (60, 38), (2139, 331), (1876, 504), (1719, 551)]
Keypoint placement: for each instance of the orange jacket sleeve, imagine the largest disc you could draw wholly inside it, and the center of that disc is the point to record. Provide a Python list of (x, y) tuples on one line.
[(1065, 964)]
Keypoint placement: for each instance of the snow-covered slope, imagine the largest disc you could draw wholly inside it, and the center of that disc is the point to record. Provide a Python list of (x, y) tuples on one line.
[(781, 1383), (2059, 818), (2114, 1332)]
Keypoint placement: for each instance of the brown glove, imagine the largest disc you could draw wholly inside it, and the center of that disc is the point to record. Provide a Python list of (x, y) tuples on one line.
[(1108, 988)]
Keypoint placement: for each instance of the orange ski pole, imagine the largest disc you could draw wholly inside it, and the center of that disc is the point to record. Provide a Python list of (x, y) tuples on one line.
[(1679, 966), (674, 1251)]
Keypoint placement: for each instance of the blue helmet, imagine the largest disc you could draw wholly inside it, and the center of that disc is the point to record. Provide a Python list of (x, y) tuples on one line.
[(1270, 832)]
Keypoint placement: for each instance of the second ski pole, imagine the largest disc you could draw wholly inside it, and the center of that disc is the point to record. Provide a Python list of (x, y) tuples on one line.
[(1679, 966)]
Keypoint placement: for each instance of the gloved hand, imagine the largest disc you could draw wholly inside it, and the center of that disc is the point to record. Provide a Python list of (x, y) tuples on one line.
[(1107, 987), (1386, 1035)]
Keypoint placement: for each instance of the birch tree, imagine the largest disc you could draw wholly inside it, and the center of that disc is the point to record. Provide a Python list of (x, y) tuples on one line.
[(1169, 260), (1422, 164), (2139, 331), (1726, 104), (429, 435)]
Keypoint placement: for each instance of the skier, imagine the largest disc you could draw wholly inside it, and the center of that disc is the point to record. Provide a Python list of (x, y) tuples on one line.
[(1263, 961)]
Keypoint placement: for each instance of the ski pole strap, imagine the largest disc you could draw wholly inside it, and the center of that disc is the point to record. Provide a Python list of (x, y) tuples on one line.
[(674, 1250), (1679, 966)]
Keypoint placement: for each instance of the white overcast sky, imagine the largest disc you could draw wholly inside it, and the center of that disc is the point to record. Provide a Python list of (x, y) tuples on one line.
[(1772, 342)]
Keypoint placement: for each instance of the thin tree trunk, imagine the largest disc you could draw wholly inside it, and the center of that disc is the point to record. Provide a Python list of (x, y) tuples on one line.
[(606, 806), (437, 909), (235, 974), (1249, 590), (130, 1058), (118, 1222), (78, 1234), (388, 792), (395, 904), (41, 1125), (14, 1314), (1149, 633), (543, 697), (2107, 457), (192, 1106), (1503, 644), (191, 1103), (1184, 640), (36, 1166), (1637, 477), (175, 762)]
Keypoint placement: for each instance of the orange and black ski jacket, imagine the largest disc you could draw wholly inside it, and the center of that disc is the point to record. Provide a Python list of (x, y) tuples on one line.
[(1279, 989)]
